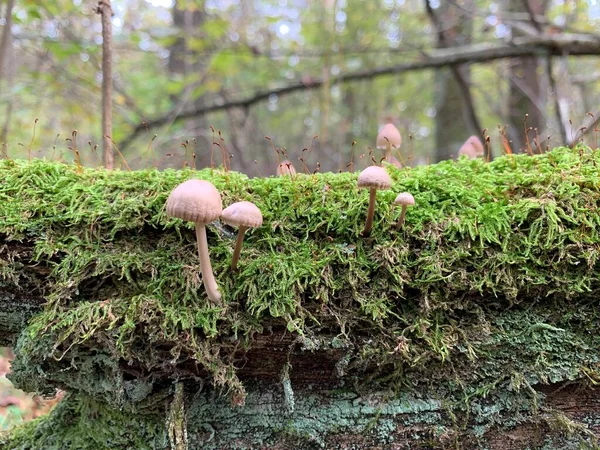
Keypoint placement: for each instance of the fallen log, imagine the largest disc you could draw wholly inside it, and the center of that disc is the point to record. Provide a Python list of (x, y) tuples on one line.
[(474, 326)]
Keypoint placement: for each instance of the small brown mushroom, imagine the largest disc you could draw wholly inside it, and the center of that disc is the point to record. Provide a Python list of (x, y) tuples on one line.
[(472, 148), (243, 215), (389, 137), (373, 178), (405, 199), (198, 201), (286, 167)]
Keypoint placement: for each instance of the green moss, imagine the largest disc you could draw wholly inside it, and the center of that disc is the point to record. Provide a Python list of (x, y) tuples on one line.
[(491, 286), (82, 423)]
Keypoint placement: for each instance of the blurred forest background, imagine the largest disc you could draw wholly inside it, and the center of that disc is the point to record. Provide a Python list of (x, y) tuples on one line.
[(440, 70)]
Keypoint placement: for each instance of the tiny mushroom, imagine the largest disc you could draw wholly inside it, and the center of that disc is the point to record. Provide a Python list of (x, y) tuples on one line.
[(286, 167), (198, 201), (472, 148), (373, 178), (389, 137), (243, 215), (405, 199)]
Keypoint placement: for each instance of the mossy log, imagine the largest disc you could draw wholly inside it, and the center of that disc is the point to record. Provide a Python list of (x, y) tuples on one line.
[(474, 326)]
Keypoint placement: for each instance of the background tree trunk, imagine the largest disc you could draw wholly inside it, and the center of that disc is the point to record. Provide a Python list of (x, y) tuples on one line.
[(526, 96), (185, 62), (6, 69), (453, 24)]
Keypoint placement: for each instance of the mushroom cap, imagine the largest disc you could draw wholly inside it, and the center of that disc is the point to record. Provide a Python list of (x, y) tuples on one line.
[(404, 198), (472, 147), (392, 134), (195, 200), (394, 162), (286, 167), (374, 177), (245, 214)]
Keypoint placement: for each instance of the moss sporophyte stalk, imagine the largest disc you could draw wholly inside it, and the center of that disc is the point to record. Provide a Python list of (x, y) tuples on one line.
[(489, 293)]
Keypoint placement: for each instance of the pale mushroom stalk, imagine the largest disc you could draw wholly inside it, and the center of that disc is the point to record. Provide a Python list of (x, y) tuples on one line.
[(373, 178), (401, 219), (243, 215), (370, 212), (208, 278), (404, 199), (198, 201), (238, 247)]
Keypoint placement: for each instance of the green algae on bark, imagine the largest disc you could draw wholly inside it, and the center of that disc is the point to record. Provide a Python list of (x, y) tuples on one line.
[(491, 286)]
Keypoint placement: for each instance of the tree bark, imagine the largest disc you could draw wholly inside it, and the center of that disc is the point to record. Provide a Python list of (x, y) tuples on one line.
[(105, 11)]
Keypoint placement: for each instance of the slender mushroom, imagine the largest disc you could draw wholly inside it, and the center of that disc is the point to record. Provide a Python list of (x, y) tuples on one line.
[(472, 148), (243, 215), (405, 199), (286, 167), (198, 201), (389, 137), (373, 178)]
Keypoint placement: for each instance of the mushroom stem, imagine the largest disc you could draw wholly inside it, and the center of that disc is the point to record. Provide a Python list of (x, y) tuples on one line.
[(370, 213), (238, 247), (401, 219), (388, 152), (210, 284)]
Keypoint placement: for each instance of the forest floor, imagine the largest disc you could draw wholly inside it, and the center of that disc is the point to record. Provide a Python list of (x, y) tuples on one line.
[(17, 406)]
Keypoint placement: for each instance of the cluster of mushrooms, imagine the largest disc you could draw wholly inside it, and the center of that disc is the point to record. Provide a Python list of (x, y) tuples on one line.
[(200, 202), (375, 178)]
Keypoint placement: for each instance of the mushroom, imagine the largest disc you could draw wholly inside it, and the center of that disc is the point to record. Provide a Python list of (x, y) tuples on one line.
[(472, 148), (389, 137), (243, 215), (405, 199), (198, 201), (373, 178), (286, 167)]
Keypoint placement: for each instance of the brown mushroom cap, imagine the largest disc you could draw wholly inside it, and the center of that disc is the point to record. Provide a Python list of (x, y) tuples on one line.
[(196, 201), (374, 177), (286, 167), (392, 134), (404, 198), (472, 148), (245, 214)]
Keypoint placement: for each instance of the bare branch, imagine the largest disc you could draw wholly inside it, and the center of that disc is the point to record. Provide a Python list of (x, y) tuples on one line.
[(542, 45)]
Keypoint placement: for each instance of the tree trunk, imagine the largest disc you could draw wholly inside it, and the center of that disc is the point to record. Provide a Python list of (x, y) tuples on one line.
[(105, 11), (453, 25), (525, 98), (184, 62), (6, 70), (6, 39)]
